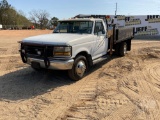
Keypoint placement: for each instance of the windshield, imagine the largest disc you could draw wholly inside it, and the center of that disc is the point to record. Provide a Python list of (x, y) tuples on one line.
[(82, 27)]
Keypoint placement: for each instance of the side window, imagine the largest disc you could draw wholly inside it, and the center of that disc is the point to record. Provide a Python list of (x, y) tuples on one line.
[(99, 28)]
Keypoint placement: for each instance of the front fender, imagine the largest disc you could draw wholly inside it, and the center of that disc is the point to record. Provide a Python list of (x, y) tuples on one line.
[(76, 51)]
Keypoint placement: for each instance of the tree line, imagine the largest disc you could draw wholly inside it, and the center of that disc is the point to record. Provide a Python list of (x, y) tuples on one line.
[(13, 19)]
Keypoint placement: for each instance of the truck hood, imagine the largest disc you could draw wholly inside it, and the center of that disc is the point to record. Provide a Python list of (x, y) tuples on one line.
[(57, 39)]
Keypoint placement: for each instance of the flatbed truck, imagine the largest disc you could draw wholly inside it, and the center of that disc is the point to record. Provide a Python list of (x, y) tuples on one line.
[(76, 44)]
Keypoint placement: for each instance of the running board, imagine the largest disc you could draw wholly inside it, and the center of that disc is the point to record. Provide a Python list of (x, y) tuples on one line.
[(100, 59)]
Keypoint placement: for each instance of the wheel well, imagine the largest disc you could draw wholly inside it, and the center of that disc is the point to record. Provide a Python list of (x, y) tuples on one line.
[(88, 57)]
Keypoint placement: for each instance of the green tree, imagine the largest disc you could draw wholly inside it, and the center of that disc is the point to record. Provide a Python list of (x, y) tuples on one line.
[(22, 20), (54, 21), (4, 10), (10, 16)]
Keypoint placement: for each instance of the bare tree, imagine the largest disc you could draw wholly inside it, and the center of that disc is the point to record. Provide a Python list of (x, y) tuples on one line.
[(33, 18), (39, 17)]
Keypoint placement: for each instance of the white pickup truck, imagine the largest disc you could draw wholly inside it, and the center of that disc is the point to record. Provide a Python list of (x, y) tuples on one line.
[(75, 45)]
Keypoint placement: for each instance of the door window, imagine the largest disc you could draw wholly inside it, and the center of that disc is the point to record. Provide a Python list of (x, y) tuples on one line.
[(99, 28)]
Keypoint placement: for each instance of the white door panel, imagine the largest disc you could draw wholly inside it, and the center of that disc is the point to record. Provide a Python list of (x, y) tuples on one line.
[(101, 45)]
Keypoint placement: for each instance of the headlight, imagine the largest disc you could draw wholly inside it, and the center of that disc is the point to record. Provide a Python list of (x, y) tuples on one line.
[(62, 51)]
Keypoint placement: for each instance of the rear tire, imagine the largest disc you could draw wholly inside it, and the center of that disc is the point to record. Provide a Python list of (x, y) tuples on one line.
[(79, 69), (123, 49)]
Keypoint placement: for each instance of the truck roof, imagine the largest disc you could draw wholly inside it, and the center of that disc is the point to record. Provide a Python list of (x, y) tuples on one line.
[(82, 19)]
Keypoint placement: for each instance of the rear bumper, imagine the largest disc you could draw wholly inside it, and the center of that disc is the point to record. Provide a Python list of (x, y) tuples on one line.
[(54, 64)]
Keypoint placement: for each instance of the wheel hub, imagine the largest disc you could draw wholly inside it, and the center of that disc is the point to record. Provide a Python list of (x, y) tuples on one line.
[(80, 68), (125, 48)]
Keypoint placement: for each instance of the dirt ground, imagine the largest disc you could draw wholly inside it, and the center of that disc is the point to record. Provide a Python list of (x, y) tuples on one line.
[(121, 88)]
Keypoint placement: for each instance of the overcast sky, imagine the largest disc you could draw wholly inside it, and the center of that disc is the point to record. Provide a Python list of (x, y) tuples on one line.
[(69, 8)]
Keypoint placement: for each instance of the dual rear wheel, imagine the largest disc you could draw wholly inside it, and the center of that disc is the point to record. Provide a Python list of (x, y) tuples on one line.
[(121, 49)]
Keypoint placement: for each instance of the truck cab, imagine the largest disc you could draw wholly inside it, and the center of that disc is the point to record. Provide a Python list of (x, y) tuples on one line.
[(75, 45), (90, 36)]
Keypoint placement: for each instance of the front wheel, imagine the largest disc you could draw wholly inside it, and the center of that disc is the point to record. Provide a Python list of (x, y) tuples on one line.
[(79, 68)]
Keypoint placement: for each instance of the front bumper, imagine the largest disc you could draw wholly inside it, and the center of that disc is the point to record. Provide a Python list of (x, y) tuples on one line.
[(54, 64)]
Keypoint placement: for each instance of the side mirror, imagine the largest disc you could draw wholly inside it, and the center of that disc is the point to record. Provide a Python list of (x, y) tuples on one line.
[(112, 22)]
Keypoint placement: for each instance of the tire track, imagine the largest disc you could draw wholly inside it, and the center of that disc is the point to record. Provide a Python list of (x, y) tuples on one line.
[(146, 87), (94, 103), (154, 71), (85, 106), (79, 91)]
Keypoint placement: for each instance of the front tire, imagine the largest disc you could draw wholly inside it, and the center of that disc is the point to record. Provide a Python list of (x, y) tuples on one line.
[(79, 68)]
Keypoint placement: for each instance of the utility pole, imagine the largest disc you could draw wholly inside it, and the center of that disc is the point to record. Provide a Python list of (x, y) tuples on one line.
[(116, 10)]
